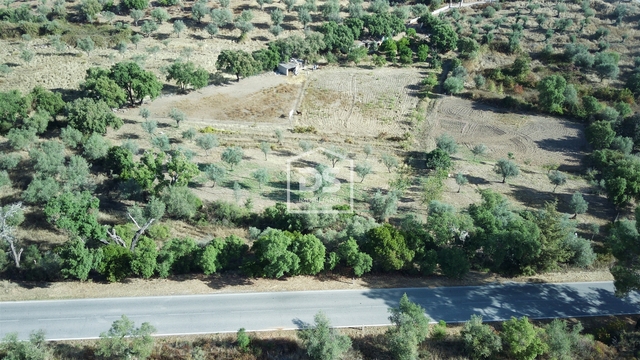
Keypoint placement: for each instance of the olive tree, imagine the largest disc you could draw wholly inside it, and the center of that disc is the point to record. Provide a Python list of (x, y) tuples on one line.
[(322, 341), (124, 341), (363, 169), (177, 115), (461, 180), (265, 147), (479, 150), (232, 156), (557, 178), (506, 169), (447, 143), (207, 142), (411, 328), (578, 204)]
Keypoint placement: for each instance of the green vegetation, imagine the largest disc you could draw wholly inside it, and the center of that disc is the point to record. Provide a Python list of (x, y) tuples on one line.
[(586, 76)]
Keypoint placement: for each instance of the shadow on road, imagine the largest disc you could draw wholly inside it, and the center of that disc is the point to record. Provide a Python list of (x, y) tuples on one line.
[(498, 302)]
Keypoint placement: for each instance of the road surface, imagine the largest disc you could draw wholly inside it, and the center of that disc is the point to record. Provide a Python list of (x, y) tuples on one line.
[(196, 314)]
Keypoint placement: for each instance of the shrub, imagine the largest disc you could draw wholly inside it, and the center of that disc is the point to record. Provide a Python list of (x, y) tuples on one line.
[(177, 256), (48, 158), (159, 232), (181, 202), (135, 4), (447, 143), (322, 341), (411, 328), (95, 147), (115, 263), (9, 161), (41, 190), (243, 340), (480, 340), (453, 85), (71, 137), (438, 159), (349, 253), (523, 339), (21, 139), (560, 340), (581, 250), (439, 330), (124, 341), (479, 80), (453, 262)]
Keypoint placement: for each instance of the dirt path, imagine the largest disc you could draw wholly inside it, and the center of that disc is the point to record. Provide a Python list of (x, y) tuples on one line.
[(185, 285)]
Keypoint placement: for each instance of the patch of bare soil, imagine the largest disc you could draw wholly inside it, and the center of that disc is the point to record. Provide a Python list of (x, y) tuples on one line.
[(359, 102), (262, 98), (536, 139), (227, 283), (530, 140)]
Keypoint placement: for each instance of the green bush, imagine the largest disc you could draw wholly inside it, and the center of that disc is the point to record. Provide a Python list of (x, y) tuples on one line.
[(115, 263), (76, 213), (144, 258), (274, 259), (438, 159), (226, 213), (453, 262), (322, 341), (439, 330), (181, 202), (77, 260), (523, 339), (125, 341), (177, 256), (480, 340), (159, 231), (388, 248), (135, 4)]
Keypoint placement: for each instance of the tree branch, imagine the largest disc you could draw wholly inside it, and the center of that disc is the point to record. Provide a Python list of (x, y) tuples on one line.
[(139, 233), (132, 219), (116, 238)]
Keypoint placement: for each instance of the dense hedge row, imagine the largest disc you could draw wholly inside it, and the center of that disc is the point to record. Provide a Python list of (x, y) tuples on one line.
[(488, 235)]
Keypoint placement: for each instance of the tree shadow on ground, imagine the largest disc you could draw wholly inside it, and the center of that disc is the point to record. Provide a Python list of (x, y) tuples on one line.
[(531, 197), (279, 348), (68, 95), (599, 206), (226, 279), (572, 147), (171, 89), (413, 90), (475, 180), (72, 351), (371, 347)]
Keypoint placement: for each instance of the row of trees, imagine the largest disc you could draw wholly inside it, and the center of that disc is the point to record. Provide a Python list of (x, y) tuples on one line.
[(512, 242)]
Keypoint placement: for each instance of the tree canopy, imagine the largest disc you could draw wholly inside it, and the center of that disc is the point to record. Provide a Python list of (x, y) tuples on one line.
[(91, 116), (136, 82), (186, 74), (238, 63)]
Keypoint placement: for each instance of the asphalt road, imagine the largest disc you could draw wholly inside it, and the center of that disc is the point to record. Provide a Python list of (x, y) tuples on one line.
[(195, 314)]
